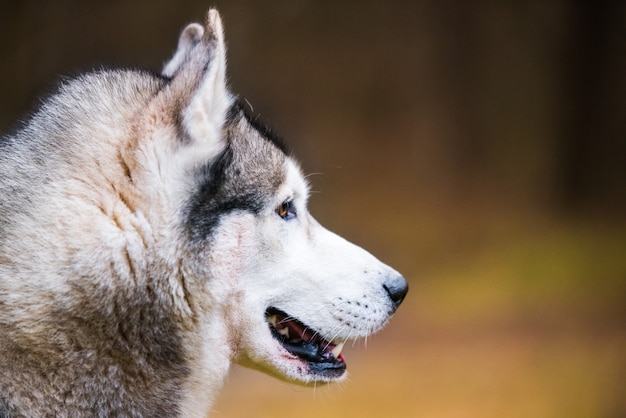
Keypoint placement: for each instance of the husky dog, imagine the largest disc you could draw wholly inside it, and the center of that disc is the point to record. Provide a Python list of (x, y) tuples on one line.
[(152, 232)]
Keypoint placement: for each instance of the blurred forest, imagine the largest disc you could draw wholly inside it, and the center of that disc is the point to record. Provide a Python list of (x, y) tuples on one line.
[(478, 147)]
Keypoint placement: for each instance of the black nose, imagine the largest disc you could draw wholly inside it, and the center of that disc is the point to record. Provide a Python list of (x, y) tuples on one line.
[(397, 289)]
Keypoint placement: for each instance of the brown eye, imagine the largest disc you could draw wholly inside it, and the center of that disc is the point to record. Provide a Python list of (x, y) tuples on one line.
[(286, 210)]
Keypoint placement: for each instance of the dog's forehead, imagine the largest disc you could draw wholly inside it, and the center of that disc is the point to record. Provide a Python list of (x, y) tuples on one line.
[(256, 151), (254, 144), (242, 121)]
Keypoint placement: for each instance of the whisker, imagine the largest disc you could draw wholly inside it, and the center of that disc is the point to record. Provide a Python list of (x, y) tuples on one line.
[(249, 105), (313, 174)]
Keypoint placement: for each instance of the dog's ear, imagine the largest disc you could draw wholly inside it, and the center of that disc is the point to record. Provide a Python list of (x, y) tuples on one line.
[(197, 93), (189, 38)]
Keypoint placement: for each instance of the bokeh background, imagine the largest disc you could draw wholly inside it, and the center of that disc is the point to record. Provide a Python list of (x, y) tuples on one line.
[(478, 147)]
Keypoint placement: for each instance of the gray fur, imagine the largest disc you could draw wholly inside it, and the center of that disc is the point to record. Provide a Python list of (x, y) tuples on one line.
[(120, 356), (72, 342), (221, 186), (142, 249)]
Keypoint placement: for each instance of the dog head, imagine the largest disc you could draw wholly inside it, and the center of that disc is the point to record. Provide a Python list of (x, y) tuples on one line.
[(291, 292)]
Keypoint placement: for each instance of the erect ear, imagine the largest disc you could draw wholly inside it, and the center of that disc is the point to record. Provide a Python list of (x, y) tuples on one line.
[(189, 38), (199, 88)]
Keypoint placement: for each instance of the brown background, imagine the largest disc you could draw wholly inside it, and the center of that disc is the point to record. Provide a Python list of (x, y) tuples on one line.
[(478, 147)]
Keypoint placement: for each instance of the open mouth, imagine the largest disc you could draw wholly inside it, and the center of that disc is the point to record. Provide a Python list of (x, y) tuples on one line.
[(323, 357)]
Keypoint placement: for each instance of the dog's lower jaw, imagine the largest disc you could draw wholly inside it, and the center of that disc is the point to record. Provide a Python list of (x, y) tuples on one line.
[(277, 362)]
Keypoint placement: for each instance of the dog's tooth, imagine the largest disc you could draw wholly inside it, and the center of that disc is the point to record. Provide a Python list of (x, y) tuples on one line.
[(337, 350), (272, 320), (284, 331)]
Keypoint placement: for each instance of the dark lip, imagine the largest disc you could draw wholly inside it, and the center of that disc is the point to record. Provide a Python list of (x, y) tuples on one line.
[(314, 352)]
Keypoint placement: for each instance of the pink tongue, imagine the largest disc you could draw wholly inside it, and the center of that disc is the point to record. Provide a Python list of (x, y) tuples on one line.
[(297, 331)]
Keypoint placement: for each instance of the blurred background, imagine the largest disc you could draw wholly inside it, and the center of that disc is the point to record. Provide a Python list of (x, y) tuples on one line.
[(478, 147)]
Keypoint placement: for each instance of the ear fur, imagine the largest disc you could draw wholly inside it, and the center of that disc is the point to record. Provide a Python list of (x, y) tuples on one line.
[(211, 101), (198, 91), (189, 38)]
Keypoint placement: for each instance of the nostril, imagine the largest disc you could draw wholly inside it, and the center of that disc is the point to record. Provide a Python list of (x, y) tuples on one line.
[(397, 289)]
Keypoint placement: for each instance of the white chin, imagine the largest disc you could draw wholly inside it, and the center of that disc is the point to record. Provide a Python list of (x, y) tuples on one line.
[(295, 370), (268, 355)]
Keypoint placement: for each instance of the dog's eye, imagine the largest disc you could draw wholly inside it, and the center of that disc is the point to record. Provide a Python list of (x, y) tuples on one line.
[(286, 210)]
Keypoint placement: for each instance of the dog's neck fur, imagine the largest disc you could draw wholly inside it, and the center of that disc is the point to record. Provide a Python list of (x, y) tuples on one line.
[(113, 336)]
